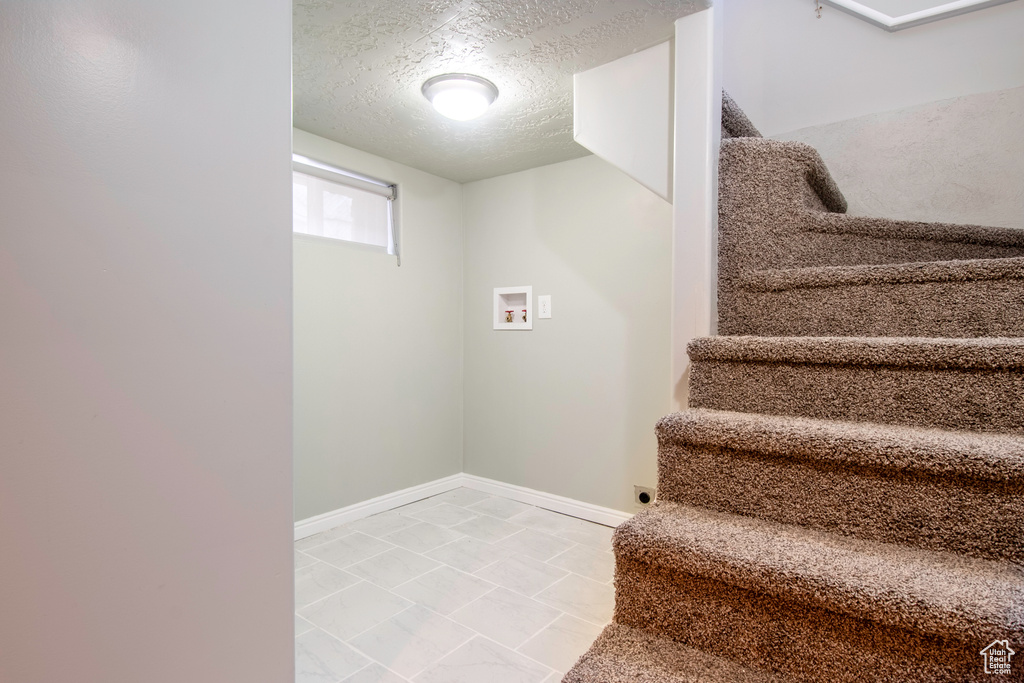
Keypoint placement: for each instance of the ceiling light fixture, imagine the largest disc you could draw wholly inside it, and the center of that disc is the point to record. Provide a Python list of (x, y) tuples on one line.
[(460, 96)]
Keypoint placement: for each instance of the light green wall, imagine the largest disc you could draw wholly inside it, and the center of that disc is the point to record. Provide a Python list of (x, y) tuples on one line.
[(400, 380), (569, 407), (378, 348)]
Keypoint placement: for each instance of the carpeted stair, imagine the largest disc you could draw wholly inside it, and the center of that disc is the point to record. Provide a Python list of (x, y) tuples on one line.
[(970, 384), (791, 263), (844, 498)]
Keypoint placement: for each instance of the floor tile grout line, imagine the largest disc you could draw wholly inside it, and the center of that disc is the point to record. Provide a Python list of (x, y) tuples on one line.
[(448, 617), (601, 628), (489, 564), (446, 526), (421, 555), (488, 514), (359, 580), (512, 554), (318, 545), (592, 622), (369, 658), (601, 624), (566, 569), (346, 570), (369, 663), (473, 634), (573, 573), (471, 573), (393, 546), (392, 589), (543, 628), (548, 561), (521, 654), (368, 629), (560, 612), (570, 613), (532, 596), (474, 600), (493, 585)]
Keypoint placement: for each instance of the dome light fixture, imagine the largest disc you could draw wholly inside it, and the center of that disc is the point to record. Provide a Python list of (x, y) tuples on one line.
[(460, 96)]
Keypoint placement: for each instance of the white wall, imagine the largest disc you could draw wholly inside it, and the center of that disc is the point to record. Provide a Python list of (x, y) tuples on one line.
[(697, 114), (789, 70), (622, 112), (145, 356), (569, 407), (378, 348), (959, 160)]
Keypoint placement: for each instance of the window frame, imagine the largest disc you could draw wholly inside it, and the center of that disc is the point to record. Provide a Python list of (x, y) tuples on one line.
[(359, 181)]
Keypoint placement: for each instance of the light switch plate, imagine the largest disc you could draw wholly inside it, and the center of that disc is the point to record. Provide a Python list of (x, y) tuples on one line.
[(544, 306)]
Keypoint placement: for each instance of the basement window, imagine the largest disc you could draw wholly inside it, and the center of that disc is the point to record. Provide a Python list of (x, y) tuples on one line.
[(337, 204)]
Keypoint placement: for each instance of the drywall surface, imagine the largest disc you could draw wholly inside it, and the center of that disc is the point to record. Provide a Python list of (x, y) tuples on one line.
[(145, 355), (957, 161), (790, 70), (698, 116), (568, 407), (622, 112), (378, 348)]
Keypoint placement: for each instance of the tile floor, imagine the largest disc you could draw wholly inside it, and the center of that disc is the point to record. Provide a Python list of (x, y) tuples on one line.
[(463, 587)]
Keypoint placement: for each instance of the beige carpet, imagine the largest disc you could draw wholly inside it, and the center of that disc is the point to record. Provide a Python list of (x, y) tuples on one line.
[(844, 499)]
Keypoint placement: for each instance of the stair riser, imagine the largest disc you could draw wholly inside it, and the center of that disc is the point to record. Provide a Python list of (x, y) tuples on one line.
[(982, 308), (809, 248), (627, 655), (800, 642), (981, 519), (973, 400), (797, 242)]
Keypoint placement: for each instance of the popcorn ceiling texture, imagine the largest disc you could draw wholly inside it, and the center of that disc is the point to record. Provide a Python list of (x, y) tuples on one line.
[(842, 501), (359, 65)]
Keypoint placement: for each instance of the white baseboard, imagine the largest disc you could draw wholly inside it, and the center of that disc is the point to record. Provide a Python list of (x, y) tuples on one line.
[(389, 501), (548, 501)]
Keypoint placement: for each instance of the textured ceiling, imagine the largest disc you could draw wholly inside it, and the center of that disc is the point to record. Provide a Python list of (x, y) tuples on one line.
[(359, 65)]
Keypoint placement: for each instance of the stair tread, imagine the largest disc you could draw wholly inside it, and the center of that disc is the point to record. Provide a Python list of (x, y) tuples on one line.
[(991, 353), (988, 456), (932, 592), (623, 654), (772, 280)]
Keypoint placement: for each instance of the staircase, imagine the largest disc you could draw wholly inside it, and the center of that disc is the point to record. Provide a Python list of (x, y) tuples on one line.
[(844, 499)]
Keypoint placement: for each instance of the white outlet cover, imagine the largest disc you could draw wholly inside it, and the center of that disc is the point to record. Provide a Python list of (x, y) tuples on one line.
[(544, 306)]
